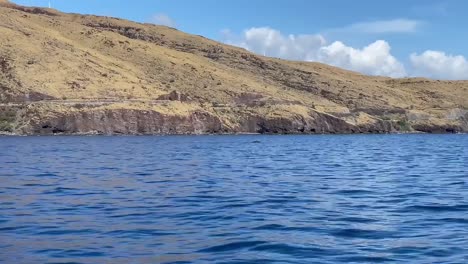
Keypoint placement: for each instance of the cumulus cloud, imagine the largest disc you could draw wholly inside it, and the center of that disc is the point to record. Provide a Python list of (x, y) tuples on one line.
[(384, 26), (163, 19), (375, 59), (439, 65), (270, 42)]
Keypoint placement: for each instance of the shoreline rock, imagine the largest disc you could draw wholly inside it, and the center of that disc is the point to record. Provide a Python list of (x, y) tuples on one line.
[(199, 122)]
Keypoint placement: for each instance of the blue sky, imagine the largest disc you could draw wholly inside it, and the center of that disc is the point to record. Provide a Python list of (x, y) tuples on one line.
[(403, 38)]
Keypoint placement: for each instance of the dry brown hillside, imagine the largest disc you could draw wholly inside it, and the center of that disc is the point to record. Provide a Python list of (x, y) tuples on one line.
[(71, 73)]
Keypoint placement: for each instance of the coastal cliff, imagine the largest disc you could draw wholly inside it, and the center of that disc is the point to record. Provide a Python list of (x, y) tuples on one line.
[(81, 74)]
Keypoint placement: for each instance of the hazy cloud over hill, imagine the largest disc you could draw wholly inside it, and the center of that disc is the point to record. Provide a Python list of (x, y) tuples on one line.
[(400, 25), (163, 19)]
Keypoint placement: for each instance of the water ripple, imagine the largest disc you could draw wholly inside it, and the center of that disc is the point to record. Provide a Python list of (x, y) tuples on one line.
[(234, 199), (233, 246)]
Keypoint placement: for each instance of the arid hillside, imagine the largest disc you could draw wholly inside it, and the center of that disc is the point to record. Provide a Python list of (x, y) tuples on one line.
[(81, 74)]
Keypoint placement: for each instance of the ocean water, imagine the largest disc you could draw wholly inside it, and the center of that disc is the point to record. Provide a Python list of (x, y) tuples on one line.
[(234, 199)]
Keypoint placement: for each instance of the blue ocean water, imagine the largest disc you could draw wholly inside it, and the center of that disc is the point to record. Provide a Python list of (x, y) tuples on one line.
[(234, 199)]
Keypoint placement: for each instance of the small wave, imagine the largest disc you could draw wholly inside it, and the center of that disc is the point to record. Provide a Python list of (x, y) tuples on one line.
[(131, 215), (412, 195), (89, 193), (68, 262), (143, 174), (205, 197), (356, 220), (436, 208), (233, 246), (37, 185), (213, 217), (238, 205), (353, 192), (138, 232), (362, 233), (458, 183), (276, 201), (270, 227), (59, 190), (277, 227), (68, 209), (61, 253), (158, 181), (440, 253), (452, 220), (296, 251), (407, 250), (67, 232), (46, 175), (12, 228), (365, 259), (79, 253)]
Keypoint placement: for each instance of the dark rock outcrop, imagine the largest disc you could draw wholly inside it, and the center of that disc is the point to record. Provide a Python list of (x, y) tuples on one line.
[(434, 128), (316, 123), (129, 122), (174, 96), (143, 122)]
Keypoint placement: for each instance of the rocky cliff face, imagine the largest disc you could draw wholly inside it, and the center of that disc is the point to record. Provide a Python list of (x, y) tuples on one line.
[(126, 122), (77, 74), (28, 120), (141, 122), (121, 121)]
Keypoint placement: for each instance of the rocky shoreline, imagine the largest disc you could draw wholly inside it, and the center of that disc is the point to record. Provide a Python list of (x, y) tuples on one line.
[(142, 121)]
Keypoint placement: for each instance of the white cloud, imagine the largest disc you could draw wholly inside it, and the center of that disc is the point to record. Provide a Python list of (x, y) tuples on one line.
[(375, 59), (439, 65), (163, 19), (384, 26), (271, 42)]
